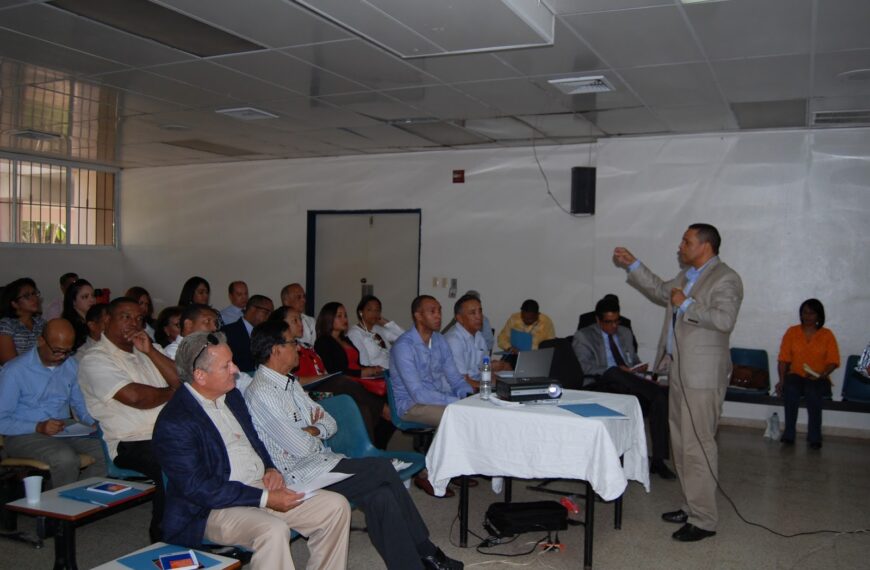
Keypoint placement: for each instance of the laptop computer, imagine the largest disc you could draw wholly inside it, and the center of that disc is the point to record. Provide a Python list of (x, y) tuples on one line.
[(531, 364)]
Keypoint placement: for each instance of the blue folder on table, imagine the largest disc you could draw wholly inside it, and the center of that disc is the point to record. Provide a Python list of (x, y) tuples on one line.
[(94, 497), (593, 411), (521, 340), (145, 560)]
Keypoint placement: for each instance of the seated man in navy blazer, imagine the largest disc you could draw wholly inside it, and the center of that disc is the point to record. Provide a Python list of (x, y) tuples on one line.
[(238, 334), (222, 484)]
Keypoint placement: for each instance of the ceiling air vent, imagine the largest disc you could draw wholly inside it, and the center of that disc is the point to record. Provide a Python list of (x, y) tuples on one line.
[(247, 113), (582, 85), (841, 118), (32, 135)]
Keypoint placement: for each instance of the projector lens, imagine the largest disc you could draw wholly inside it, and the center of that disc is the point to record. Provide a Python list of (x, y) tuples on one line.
[(554, 391)]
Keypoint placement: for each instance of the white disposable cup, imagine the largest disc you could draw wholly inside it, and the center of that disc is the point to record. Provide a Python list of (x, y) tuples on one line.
[(33, 489)]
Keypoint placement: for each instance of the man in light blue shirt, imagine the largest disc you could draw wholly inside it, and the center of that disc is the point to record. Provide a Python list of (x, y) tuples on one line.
[(238, 294), (423, 374), (467, 342), (37, 390)]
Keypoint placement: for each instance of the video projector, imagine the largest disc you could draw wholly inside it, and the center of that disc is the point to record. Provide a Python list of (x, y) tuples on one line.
[(528, 389)]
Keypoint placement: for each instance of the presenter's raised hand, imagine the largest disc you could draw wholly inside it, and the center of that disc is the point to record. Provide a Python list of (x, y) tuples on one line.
[(622, 257)]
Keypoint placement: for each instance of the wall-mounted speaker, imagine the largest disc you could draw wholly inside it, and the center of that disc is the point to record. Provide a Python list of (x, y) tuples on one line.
[(583, 190)]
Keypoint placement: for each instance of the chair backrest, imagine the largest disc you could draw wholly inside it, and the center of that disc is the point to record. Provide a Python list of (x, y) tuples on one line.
[(753, 357), (856, 388), (564, 367), (352, 439), (113, 470)]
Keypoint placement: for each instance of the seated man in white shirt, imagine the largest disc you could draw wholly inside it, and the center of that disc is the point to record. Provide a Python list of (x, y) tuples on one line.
[(293, 296), (467, 342), (238, 294), (223, 486), (194, 318), (126, 381), (293, 429)]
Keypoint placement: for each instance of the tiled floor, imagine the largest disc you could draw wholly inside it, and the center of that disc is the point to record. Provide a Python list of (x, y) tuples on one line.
[(790, 489)]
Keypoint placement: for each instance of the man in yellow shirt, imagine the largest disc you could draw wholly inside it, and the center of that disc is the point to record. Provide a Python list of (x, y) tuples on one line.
[(530, 320)]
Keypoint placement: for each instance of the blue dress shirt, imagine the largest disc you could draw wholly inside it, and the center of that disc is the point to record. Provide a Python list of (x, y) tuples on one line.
[(421, 374), (30, 393), (468, 351)]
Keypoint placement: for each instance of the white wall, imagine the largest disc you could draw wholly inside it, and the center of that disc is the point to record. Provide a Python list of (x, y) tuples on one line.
[(793, 208)]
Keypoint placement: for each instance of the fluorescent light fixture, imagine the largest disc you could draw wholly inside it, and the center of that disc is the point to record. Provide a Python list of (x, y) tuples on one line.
[(247, 113), (700, 1), (582, 85)]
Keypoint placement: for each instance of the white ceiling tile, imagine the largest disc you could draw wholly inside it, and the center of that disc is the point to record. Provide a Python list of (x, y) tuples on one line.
[(673, 85), (164, 88), (697, 118), (62, 27), (634, 38), (574, 6), (626, 121), (569, 54), (764, 79), (291, 73), (442, 101), (830, 65), (515, 96), (466, 67), (364, 63), (748, 28), (843, 24), (272, 23), (221, 80), (26, 49), (562, 125), (373, 105), (312, 113)]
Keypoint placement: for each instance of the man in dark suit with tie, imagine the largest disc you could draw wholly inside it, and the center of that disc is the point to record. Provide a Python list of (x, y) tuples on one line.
[(238, 334), (222, 484), (605, 350), (702, 304)]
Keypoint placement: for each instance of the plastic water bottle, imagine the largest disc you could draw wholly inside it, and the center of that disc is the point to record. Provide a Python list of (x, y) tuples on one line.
[(485, 379)]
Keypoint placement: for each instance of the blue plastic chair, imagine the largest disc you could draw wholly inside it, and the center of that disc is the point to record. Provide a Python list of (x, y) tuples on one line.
[(750, 357), (421, 433), (353, 440), (113, 470), (856, 388)]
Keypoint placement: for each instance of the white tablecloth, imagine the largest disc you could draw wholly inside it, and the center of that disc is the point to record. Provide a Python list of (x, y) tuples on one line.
[(535, 441)]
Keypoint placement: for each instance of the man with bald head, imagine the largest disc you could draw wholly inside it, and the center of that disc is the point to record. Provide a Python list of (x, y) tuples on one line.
[(37, 390), (293, 296), (126, 381)]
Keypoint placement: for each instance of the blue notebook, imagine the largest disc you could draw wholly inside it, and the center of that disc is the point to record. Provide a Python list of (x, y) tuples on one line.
[(593, 411), (147, 560), (521, 340), (96, 498)]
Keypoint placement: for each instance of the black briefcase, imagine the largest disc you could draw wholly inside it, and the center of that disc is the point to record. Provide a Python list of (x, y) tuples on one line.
[(510, 519)]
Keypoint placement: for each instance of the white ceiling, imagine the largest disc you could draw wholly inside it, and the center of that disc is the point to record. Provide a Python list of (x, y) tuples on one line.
[(717, 66)]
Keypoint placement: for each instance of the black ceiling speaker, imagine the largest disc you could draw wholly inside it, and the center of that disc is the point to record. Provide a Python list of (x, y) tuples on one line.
[(583, 190)]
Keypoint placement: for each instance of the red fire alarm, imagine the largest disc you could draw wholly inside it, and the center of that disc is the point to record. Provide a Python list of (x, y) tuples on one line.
[(459, 177)]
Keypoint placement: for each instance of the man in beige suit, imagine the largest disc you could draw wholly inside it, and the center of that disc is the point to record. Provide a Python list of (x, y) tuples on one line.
[(702, 305)]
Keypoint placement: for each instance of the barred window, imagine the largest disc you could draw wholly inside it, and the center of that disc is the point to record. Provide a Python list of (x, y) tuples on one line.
[(53, 203)]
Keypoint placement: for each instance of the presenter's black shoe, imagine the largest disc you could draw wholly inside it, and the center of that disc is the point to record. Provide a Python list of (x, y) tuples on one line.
[(659, 467), (439, 561), (690, 533), (676, 517), (787, 440), (815, 445)]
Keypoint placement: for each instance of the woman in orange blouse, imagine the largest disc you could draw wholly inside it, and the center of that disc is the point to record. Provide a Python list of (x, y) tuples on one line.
[(807, 357)]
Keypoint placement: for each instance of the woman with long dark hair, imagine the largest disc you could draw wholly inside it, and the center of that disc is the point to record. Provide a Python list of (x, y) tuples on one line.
[(77, 300), (168, 326), (195, 290), (20, 324), (337, 351), (807, 356)]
